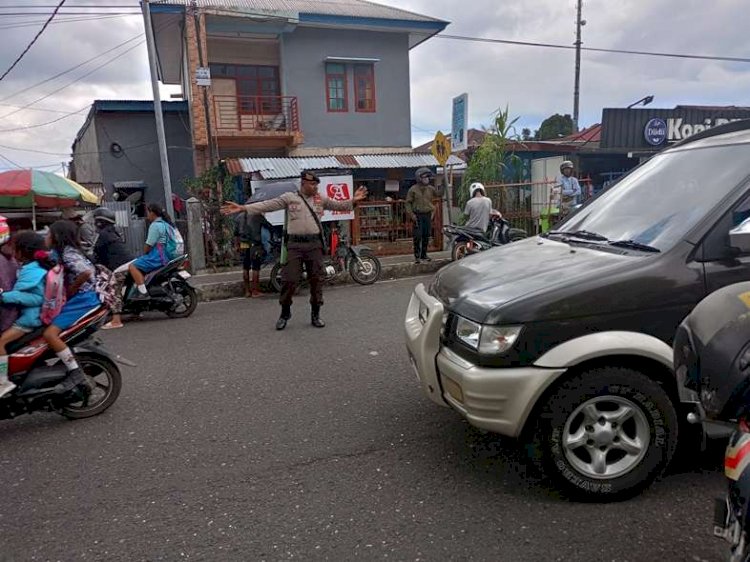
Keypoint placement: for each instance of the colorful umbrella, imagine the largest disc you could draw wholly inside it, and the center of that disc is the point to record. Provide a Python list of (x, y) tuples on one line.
[(20, 188)]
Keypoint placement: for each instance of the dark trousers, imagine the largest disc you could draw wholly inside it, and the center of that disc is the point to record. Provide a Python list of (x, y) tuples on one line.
[(299, 254), (422, 229)]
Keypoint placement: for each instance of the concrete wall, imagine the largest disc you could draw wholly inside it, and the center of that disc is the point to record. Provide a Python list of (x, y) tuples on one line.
[(136, 134), (303, 54), (86, 158)]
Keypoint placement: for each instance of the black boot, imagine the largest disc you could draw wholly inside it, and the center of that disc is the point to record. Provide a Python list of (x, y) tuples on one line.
[(315, 318), (286, 314)]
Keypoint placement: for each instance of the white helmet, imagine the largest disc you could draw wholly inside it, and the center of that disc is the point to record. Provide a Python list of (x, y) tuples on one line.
[(476, 186), (566, 164)]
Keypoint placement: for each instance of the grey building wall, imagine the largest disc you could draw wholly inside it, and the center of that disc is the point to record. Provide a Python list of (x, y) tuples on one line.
[(139, 161), (303, 55), (86, 158)]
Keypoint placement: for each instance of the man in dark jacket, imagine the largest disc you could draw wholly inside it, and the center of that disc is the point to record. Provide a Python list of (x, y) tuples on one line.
[(249, 239), (111, 251), (420, 208)]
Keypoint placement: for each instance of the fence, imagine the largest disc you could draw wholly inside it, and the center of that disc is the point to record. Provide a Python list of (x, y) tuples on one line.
[(266, 114), (523, 204), (133, 228), (387, 228)]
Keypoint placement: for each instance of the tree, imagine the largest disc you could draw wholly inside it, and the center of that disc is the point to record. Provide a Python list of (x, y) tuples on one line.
[(526, 134), (555, 126)]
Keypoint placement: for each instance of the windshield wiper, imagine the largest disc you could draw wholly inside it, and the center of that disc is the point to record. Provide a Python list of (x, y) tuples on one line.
[(634, 245), (583, 234)]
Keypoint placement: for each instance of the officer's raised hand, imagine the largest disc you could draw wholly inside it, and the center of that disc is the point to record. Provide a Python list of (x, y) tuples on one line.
[(359, 195), (231, 208)]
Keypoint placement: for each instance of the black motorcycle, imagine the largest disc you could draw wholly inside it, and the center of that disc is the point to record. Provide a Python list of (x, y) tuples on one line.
[(169, 291), (467, 241), (360, 261), (712, 362)]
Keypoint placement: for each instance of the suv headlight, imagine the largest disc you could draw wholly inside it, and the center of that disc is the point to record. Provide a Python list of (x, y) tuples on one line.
[(488, 340)]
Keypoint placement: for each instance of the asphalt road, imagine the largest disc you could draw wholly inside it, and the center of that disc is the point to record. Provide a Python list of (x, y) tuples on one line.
[(231, 441)]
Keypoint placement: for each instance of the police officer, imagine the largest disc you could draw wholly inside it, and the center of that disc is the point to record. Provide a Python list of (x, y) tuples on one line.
[(420, 208), (304, 239)]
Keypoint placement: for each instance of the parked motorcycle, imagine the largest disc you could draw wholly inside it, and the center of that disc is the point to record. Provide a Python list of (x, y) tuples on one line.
[(35, 369), (168, 291), (360, 261), (712, 361), (466, 241)]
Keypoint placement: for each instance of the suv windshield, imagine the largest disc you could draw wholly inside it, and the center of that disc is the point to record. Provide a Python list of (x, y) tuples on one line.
[(660, 202)]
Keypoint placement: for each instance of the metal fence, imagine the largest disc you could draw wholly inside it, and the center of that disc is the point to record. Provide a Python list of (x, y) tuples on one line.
[(133, 228)]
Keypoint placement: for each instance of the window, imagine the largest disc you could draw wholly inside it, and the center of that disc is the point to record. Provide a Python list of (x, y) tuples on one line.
[(364, 87), (258, 87), (336, 91)]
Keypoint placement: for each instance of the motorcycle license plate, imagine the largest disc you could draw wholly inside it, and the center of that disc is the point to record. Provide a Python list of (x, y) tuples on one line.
[(184, 274)]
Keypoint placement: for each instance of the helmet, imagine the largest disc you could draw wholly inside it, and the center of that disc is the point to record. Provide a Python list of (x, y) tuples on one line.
[(4, 230), (421, 172), (566, 164), (105, 215), (712, 352), (474, 187)]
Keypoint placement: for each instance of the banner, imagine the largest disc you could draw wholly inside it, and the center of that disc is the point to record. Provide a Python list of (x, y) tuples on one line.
[(337, 188)]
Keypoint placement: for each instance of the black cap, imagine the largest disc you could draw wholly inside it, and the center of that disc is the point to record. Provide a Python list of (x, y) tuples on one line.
[(309, 176)]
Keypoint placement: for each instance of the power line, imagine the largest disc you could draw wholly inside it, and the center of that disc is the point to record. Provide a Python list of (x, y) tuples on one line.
[(71, 114), (30, 23), (39, 34), (11, 162)]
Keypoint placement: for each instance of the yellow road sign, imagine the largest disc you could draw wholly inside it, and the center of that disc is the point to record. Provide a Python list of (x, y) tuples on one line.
[(441, 148)]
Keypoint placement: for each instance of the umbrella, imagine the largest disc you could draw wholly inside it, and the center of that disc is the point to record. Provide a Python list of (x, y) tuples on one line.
[(272, 190), (21, 189)]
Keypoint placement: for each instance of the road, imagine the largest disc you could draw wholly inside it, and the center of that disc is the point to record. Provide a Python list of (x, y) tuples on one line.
[(232, 441)]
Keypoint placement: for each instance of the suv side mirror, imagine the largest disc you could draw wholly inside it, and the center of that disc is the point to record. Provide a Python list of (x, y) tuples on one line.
[(739, 237)]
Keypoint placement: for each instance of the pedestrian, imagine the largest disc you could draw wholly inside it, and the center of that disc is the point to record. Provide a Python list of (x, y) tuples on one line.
[(570, 188), (304, 239), (248, 232), (420, 209), (111, 251), (478, 208)]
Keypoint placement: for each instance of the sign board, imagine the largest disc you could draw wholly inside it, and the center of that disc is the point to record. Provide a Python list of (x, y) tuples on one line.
[(203, 76), (459, 134), (338, 188), (441, 148)]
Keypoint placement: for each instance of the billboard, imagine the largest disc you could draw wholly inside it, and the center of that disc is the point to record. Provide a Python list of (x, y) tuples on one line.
[(459, 134)]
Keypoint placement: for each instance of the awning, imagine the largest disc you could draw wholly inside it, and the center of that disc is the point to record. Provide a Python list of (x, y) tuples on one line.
[(278, 168)]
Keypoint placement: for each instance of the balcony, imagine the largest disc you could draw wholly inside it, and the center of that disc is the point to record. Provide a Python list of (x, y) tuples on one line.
[(271, 117)]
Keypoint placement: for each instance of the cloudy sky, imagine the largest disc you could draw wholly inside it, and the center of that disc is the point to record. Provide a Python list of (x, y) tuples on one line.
[(533, 82)]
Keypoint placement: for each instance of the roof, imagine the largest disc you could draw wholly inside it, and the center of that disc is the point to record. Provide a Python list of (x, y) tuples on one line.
[(278, 168), (590, 134), (138, 106)]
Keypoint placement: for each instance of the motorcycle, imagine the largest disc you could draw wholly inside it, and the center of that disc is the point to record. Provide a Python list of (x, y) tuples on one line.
[(168, 291), (36, 371), (360, 261), (467, 241), (712, 363)]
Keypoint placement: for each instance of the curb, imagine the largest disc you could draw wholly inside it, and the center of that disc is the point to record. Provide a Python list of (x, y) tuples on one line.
[(233, 289)]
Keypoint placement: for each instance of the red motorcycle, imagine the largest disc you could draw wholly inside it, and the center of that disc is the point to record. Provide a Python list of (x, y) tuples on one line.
[(36, 371)]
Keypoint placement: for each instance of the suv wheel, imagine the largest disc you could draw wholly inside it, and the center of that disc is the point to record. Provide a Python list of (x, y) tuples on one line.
[(607, 434)]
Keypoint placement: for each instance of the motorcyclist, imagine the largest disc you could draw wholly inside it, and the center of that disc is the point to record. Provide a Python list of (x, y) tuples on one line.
[(478, 208), (570, 188), (111, 252)]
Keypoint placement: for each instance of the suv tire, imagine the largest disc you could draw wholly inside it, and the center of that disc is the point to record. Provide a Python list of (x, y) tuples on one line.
[(607, 433)]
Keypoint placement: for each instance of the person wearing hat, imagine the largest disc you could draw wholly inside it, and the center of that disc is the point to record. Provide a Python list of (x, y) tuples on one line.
[(111, 251), (569, 187), (420, 208), (87, 233), (304, 236)]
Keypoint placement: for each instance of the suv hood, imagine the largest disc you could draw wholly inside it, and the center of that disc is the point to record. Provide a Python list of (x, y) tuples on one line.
[(479, 285)]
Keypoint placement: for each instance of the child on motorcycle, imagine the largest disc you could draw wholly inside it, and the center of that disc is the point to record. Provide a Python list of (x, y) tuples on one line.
[(80, 284), (27, 293), (156, 252)]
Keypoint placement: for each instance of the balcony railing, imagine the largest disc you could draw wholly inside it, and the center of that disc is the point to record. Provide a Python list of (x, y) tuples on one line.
[(256, 115)]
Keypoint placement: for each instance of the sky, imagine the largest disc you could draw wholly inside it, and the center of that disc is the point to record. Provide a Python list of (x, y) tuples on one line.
[(532, 82)]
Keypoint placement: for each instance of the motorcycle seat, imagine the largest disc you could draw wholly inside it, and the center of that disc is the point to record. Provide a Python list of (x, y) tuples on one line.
[(20, 343), (170, 264)]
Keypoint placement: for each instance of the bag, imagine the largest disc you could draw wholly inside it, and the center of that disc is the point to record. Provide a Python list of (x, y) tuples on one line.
[(104, 287), (54, 294), (175, 246)]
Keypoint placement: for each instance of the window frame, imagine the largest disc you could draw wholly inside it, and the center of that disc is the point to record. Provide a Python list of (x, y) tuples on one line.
[(344, 77), (370, 78), (249, 106)]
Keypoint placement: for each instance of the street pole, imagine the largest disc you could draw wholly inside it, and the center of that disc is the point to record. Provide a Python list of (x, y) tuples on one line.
[(160, 136), (577, 86)]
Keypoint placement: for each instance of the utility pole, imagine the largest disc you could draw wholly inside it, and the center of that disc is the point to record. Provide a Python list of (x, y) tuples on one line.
[(160, 136), (577, 87)]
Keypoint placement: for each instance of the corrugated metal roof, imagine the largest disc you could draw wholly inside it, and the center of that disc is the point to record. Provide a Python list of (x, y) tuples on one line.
[(278, 168), (347, 8)]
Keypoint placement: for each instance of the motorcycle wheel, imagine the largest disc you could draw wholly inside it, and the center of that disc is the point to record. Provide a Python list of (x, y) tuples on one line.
[(368, 272), (460, 250), (275, 278), (189, 300), (107, 382)]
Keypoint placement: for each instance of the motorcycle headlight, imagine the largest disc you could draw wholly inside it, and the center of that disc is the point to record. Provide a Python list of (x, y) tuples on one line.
[(498, 339), (468, 332)]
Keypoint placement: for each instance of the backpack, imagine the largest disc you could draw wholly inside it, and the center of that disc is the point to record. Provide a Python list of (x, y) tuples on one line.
[(104, 287), (175, 246), (54, 294)]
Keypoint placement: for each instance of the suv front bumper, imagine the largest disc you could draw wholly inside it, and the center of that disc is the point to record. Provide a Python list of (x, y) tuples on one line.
[(496, 399)]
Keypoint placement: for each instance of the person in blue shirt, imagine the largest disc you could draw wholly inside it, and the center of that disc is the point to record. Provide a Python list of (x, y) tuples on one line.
[(27, 294), (156, 252), (571, 189)]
